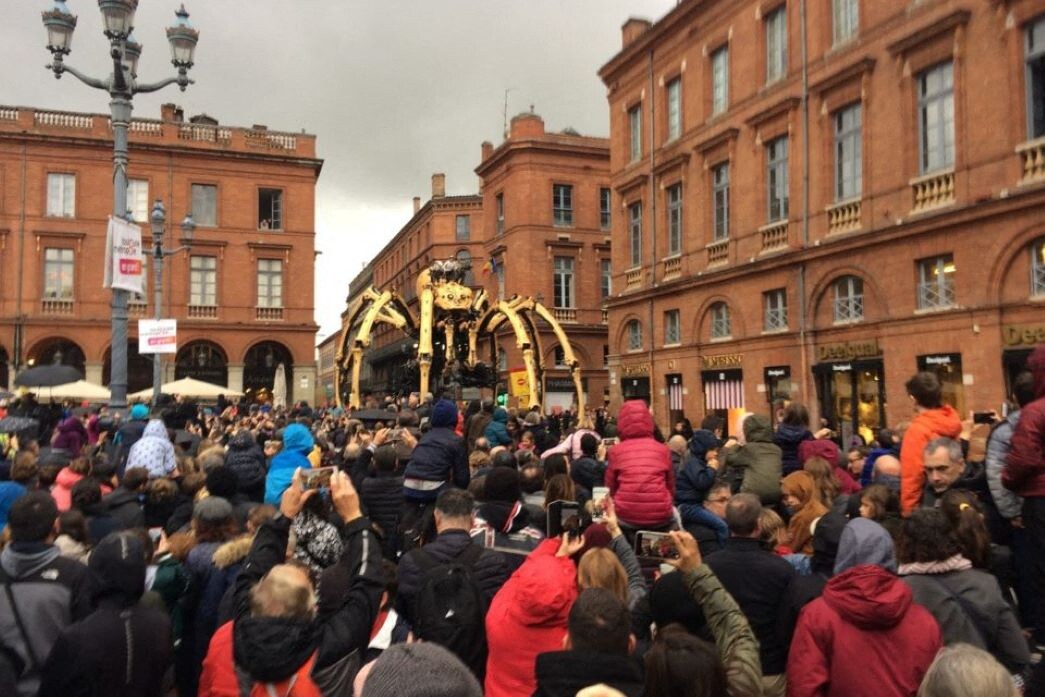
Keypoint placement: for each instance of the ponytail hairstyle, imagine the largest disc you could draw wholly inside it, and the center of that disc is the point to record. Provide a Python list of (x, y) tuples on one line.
[(964, 512)]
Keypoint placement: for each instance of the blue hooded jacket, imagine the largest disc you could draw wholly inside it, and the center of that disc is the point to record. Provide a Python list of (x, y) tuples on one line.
[(696, 477), (297, 444), (496, 433)]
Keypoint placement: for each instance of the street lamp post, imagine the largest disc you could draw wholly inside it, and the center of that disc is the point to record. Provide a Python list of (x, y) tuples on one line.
[(188, 227), (122, 85)]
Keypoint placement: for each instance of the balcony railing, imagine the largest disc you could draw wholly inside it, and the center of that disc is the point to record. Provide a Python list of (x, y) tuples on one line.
[(848, 309), (270, 141), (1032, 159), (672, 268), (146, 127), (633, 279), (932, 191), (61, 119), (605, 316), (566, 315), (56, 307), (203, 312), (8, 114), (774, 236), (843, 217), (935, 296), (718, 252), (268, 314), (137, 308), (205, 134)]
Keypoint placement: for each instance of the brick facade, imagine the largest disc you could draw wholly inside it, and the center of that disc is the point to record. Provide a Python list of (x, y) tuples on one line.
[(229, 335), (940, 235)]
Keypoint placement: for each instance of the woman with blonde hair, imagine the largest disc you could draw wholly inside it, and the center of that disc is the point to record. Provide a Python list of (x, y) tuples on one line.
[(600, 568), (962, 670)]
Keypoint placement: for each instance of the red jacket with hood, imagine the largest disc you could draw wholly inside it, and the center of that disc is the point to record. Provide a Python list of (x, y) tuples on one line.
[(929, 424), (528, 617), (1024, 471), (864, 637), (829, 450), (640, 476)]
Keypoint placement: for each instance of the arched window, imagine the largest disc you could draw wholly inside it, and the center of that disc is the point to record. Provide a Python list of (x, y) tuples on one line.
[(634, 330), (1037, 268), (849, 300), (465, 260), (721, 324)]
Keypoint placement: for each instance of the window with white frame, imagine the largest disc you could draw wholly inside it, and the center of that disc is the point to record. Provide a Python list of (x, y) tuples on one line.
[(1035, 75), (502, 361), (720, 80), (562, 205), (635, 233), (205, 204), (463, 228), (936, 117), (138, 200), (674, 196), (61, 195), (562, 282), (559, 357), (776, 179), (635, 132), (270, 209), (605, 201), (270, 283), (774, 317), (1037, 268), (606, 279), (848, 300), (500, 213), (464, 258), (634, 330), (776, 44), (936, 283), (845, 20), (59, 269), (848, 153), (674, 95), (203, 280), (672, 330), (720, 201), (721, 324)]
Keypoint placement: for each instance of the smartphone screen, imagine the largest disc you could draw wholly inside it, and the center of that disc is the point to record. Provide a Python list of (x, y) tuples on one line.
[(654, 545), (598, 494), (318, 478), (565, 516)]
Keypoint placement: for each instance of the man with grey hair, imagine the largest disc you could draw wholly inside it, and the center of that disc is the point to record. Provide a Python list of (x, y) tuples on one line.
[(946, 469), (679, 447)]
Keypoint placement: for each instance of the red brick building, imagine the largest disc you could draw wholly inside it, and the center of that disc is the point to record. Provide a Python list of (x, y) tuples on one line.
[(243, 294), (814, 207)]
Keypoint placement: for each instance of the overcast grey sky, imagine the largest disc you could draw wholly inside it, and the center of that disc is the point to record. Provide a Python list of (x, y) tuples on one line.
[(394, 89)]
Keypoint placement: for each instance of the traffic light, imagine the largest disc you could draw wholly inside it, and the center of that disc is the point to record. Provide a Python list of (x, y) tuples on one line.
[(502, 399)]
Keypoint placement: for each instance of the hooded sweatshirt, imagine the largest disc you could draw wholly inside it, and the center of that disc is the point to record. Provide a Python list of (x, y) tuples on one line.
[(865, 637), (864, 541), (1024, 471), (62, 491), (123, 648), (297, 444), (789, 437), (640, 476), (247, 460), (496, 432), (72, 436), (153, 451), (759, 459), (800, 484), (696, 476), (929, 424)]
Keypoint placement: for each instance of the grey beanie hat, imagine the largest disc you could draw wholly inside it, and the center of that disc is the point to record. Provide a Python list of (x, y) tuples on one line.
[(864, 541), (421, 669), (213, 509)]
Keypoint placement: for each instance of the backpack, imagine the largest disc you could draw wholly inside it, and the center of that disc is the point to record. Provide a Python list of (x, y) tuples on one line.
[(450, 609)]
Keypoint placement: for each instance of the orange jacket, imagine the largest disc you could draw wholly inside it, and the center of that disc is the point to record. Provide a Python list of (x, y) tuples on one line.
[(930, 424)]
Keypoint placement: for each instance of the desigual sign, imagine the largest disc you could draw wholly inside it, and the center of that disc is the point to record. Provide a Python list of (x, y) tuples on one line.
[(848, 350), (1020, 335), (639, 369), (725, 360)]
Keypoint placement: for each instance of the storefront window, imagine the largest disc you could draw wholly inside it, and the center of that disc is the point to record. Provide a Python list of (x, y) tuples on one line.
[(852, 398), (778, 385), (948, 368)]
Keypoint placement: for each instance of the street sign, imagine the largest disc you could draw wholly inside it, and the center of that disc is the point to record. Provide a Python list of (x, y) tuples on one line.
[(157, 336)]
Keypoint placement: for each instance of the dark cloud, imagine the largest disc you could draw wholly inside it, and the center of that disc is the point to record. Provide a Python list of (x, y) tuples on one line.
[(394, 90)]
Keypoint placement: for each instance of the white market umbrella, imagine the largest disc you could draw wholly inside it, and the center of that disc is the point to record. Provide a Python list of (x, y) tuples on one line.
[(79, 390), (279, 387), (188, 387)]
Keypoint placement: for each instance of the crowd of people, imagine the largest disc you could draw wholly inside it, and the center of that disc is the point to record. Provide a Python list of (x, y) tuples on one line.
[(468, 549)]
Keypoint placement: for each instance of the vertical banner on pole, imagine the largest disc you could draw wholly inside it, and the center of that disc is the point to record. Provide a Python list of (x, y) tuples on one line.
[(124, 261)]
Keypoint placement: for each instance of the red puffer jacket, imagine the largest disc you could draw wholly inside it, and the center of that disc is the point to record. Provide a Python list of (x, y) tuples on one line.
[(1024, 471), (640, 477), (864, 637), (527, 617)]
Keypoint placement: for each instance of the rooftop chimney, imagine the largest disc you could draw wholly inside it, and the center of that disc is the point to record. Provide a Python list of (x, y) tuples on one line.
[(417, 204), (633, 29), (487, 150), (438, 185), (167, 112)]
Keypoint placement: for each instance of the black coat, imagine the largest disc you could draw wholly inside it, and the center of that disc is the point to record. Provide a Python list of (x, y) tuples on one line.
[(439, 456), (382, 497), (126, 508), (489, 571), (95, 657), (758, 580), (565, 673), (247, 460)]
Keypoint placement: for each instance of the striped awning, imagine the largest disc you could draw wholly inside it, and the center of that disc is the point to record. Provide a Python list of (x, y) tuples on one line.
[(725, 394)]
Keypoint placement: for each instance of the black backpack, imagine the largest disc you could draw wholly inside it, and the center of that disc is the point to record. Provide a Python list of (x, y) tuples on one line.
[(450, 610)]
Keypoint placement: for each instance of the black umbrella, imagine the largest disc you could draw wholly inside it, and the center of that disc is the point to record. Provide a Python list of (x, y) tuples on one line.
[(16, 424), (48, 376)]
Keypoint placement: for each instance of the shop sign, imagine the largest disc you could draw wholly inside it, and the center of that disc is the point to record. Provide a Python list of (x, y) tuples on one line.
[(724, 360), (1023, 335), (941, 359), (842, 367), (638, 369), (778, 372), (563, 384), (849, 350)]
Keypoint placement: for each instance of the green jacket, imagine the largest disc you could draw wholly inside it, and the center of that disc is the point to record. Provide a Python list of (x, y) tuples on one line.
[(736, 643), (759, 461)]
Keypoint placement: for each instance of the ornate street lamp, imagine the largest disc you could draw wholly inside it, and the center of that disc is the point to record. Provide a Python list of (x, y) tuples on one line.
[(121, 85), (188, 227)]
